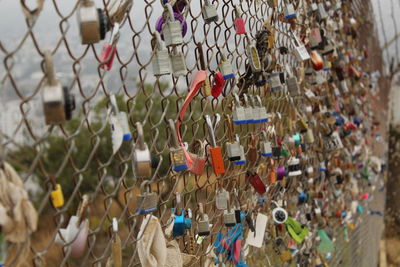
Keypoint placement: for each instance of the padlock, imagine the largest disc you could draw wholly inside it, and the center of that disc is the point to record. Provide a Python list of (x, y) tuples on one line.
[(238, 113), (226, 67), (199, 159), (116, 250), (141, 155), (265, 145), (343, 87), (328, 49), (317, 61), (252, 154), (217, 84), (239, 24), (58, 103), (302, 125), (309, 136), (176, 150), (235, 153), (209, 12), (262, 111), (279, 215), (161, 60), (333, 142), (322, 14), (276, 152), (300, 51), (289, 12), (275, 82), (56, 195), (221, 199), (76, 233), (296, 230), (255, 181), (315, 38), (122, 119), (285, 256), (110, 49), (248, 110), (146, 201), (93, 23), (215, 151), (203, 224), (229, 216), (172, 29), (293, 86), (254, 59), (294, 167), (181, 223), (178, 63)]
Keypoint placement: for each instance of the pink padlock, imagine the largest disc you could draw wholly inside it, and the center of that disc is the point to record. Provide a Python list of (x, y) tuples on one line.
[(109, 49), (239, 22)]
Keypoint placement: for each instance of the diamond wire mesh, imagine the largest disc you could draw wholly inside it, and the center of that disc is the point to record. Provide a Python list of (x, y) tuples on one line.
[(83, 162)]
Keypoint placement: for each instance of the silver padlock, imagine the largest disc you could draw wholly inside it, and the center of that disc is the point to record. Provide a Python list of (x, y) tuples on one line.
[(221, 199), (322, 14), (236, 152), (238, 114), (265, 146), (226, 68), (293, 86), (249, 111), (146, 201), (343, 87), (333, 142), (141, 156), (275, 82), (289, 11), (209, 12), (56, 106), (178, 63), (229, 216), (254, 59), (313, 8), (172, 29), (92, 21), (161, 61), (203, 224), (300, 51), (262, 111)]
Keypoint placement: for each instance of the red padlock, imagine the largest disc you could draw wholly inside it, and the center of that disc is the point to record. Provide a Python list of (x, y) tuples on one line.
[(109, 50), (256, 182), (218, 84), (317, 61), (239, 22)]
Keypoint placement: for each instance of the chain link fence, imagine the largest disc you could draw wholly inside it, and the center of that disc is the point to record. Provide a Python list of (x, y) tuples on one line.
[(79, 156)]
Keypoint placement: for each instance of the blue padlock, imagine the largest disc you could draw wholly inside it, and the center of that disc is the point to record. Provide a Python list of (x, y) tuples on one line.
[(179, 224)]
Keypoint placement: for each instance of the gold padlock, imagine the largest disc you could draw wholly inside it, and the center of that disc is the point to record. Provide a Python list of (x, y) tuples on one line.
[(57, 197), (285, 256)]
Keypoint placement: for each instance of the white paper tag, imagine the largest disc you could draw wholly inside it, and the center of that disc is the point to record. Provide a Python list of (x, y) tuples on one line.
[(261, 224)]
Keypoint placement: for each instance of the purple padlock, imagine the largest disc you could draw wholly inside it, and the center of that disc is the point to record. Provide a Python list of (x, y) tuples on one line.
[(281, 173)]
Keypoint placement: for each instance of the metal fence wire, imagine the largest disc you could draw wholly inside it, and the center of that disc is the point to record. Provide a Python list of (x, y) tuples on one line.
[(98, 158)]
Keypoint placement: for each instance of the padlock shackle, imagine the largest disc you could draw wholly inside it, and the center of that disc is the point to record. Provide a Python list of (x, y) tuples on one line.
[(174, 136), (51, 177), (82, 210), (114, 104), (211, 132), (159, 42), (170, 11), (118, 12), (49, 68), (201, 56), (230, 128), (139, 128), (238, 13)]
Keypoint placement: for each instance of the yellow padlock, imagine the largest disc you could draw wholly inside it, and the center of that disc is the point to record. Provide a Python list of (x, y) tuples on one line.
[(57, 197)]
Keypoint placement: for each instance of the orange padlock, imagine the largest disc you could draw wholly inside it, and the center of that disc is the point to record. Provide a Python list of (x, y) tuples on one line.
[(217, 160)]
